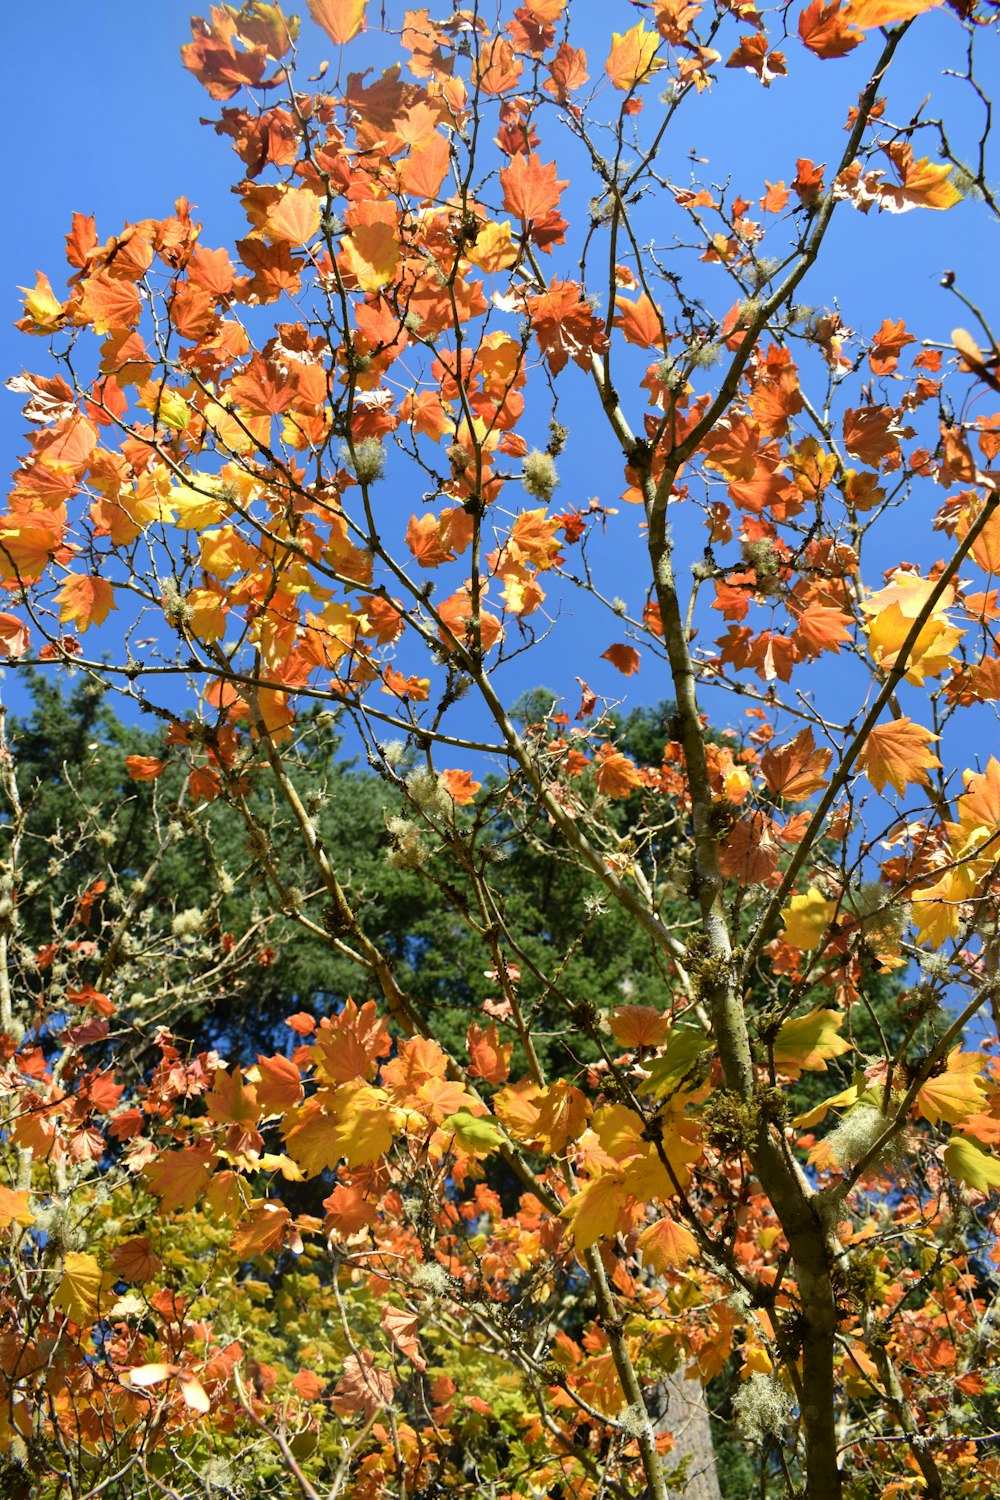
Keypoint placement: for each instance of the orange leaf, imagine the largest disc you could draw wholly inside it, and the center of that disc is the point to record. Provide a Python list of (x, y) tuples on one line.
[(797, 770), (639, 321), (110, 304), (144, 767), (402, 1326), (279, 1087), (898, 752), (530, 188), (85, 601), (14, 638), (633, 57), (135, 1261), (490, 1057), (868, 15), (424, 170), (749, 854), (295, 217), (340, 19), (362, 1387), (624, 659), (825, 30), (638, 1026), (666, 1244), (616, 775), (460, 786)]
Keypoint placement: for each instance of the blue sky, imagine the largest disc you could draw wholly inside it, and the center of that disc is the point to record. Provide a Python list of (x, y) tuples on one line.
[(106, 120)]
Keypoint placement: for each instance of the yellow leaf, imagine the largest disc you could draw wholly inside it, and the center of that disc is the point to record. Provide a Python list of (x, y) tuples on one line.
[(371, 250), (893, 611), (198, 504), (633, 57), (79, 1291), (956, 1093), (494, 249), (667, 1243), (85, 601), (970, 1164), (294, 219), (41, 305), (14, 1208), (806, 918), (898, 752), (596, 1212), (340, 19), (806, 1043)]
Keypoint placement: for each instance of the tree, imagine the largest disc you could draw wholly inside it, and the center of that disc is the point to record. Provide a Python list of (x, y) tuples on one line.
[(220, 460)]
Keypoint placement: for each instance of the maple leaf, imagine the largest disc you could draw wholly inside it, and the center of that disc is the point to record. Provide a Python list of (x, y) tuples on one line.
[(624, 659), (616, 775), (749, 853), (638, 1026), (887, 344), (826, 30), (898, 753), (797, 770), (460, 786), (666, 1245), (403, 1326), (371, 251), (425, 169), (633, 57), (598, 1210), (265, 1229), (135, 1261), (363, 1387), (807, 1043), (893, 611), (342, 20), (969, 1163), (180, 1178), (866, 15), (144, 767), (110, 304), (85, 601), (924, 184), (806, 918), (753, 56), (490, 1057), (14, 1208), (349, 1211), (43, 312), (640, 321), (278, 1084), (530, 188), (295, 217), (956, 1093), (567, 71), (15, 639), (82, 1288), (476, 1135)]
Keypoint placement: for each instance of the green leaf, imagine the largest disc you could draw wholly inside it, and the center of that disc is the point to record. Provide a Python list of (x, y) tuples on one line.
[(970, 1164), (473, 1132)]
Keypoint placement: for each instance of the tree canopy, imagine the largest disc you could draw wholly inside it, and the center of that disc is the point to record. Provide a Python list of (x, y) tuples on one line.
[(410, 1072)]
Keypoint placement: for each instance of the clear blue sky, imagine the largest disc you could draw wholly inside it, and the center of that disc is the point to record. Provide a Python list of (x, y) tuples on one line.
[(103, 118)]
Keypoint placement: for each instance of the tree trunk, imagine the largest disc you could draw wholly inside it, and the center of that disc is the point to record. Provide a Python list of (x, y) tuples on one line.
[(678, 1406)]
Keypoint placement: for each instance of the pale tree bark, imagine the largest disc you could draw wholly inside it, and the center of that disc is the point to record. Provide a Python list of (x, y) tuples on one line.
[(678, 1406)]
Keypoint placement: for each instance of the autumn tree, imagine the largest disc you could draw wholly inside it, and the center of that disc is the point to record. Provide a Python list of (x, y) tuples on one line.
[(318, 472)]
